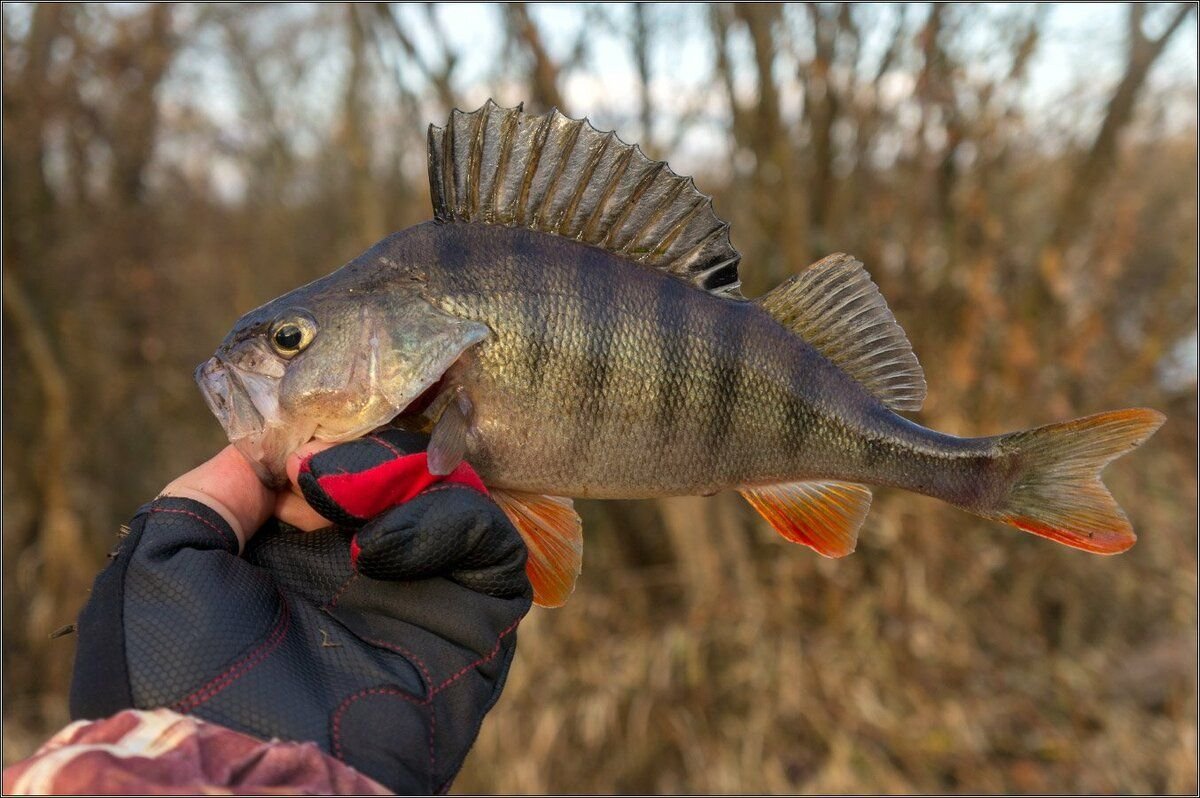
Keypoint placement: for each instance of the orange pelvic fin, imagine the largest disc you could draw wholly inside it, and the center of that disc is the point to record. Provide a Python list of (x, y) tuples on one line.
[(553, 533), (825, 516)]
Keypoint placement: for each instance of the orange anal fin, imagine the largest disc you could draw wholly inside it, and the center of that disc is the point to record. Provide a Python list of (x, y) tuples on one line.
[(553, 533), (825, 516)]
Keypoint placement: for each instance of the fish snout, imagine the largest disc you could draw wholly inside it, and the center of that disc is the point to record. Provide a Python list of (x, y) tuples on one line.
[(228, 399), (215, 386)]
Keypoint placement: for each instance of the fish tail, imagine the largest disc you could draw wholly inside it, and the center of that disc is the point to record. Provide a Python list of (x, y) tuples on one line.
[(1056, 490)]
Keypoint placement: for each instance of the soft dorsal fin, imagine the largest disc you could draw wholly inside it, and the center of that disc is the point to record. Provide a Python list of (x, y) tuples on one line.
[(562, 176), (553, 534), (834, 305), (825, 516)]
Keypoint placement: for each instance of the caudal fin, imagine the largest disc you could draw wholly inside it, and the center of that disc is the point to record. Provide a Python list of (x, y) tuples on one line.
[(1057, 492)]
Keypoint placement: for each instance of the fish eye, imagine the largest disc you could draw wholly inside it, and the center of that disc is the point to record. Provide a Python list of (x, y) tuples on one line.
[(292, 334), (288, 336)]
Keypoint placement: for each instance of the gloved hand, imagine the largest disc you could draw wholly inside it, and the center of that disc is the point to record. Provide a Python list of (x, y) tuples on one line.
[(385, 640)]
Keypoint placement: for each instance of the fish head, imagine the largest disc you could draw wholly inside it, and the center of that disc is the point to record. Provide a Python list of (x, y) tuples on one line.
[(330, 361)]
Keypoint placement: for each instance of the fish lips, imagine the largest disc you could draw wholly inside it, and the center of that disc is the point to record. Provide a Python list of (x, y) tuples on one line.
[(246, 404), (228, 399)]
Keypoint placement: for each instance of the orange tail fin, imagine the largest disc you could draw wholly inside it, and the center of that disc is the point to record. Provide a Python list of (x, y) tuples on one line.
[(1058, 493)]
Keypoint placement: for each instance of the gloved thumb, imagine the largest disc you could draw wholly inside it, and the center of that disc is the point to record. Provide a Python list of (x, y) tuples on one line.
[(354, 482)]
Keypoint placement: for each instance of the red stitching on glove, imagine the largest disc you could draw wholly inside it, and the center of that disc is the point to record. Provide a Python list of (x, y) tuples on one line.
[(246, 664), (338, 595), (420, 663), (225, 535), (482, 660), (384, 443), (345, 705)]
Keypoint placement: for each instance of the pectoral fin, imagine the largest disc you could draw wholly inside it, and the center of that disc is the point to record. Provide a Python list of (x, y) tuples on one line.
[(448, 443), (824, 516), (553, 533)]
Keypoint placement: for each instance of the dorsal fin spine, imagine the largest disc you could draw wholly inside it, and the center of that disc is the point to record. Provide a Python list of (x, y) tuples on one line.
[(677, 229), (476, 162), (664, 205), (462, 185), (448, 171), (539, 138), (669, 202), (716, 233), (568, 148), (713, 270), (508, 127), (619, 169), (585, 179), (436, 171), (614, 226)]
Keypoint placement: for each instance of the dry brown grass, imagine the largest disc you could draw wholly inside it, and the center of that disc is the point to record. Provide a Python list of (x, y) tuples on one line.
[(946, 655)]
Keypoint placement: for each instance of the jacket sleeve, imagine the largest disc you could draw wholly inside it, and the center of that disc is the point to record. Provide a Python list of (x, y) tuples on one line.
[(159, 752)]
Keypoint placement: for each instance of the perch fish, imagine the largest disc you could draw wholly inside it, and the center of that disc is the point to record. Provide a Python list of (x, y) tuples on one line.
[(570, 324)]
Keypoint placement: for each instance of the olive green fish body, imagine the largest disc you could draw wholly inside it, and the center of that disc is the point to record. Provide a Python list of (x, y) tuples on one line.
[(570, 325), (606, 380)]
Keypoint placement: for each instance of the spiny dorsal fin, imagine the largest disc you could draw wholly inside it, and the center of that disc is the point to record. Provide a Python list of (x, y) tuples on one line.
[(562, 176), (825, 516), (834, 305)]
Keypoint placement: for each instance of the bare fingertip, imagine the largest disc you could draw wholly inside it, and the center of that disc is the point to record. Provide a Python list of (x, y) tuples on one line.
[(297, 458)]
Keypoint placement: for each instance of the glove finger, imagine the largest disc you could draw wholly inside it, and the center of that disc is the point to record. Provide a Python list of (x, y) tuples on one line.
[(452, 531)]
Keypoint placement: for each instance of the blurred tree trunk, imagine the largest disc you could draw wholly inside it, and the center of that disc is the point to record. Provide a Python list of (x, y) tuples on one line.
[(135, 65), (641, 58), (544, 72), (131, 67), (1089, 178), (51, 554), (439, 77), (822, 105), (30, 97), (57, 564), (355, 137), (760, 131), (871, 116)]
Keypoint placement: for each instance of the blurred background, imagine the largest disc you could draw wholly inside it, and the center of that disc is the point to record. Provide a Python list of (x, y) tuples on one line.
[(1020, 180)]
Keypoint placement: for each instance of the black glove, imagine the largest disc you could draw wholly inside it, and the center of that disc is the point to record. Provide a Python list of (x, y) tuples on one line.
[(385, 644)]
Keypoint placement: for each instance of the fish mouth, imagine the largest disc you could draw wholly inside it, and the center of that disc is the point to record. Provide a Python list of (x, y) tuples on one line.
[(246, 404)]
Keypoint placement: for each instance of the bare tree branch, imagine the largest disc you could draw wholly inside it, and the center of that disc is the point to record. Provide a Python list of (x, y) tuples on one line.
[(544, 72), (1101, 157)]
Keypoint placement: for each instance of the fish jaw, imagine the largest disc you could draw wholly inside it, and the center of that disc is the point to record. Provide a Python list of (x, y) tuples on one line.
[(247, 406)]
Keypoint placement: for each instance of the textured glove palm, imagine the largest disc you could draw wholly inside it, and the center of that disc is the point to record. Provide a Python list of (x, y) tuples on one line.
[(386, 643)]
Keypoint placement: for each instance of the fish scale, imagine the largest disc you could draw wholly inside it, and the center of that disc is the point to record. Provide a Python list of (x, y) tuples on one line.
[(571, 325)]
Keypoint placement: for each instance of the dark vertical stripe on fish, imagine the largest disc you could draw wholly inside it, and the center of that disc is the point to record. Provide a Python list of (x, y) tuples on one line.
[(726, 339), (534, 309), (796, 427), (451, 256), (591, 381), (671, 322)]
